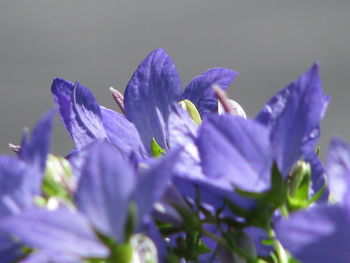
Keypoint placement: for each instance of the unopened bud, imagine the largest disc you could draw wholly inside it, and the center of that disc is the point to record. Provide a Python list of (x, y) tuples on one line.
[(144, 250)]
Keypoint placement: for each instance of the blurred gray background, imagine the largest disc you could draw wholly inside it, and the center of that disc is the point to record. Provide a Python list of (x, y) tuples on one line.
[(100, 43)]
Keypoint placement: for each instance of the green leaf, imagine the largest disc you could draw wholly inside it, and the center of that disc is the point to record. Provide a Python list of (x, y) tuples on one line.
[(190, 220), (157, 151), (266, 203), (188, 106), (202, 248), (277, 196), (274, 197), (237, 210)]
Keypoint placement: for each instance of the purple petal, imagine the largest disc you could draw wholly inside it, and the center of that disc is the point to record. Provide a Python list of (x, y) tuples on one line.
[(79, 111), (293, 115), (48, 256), (153, 88), (153, 184), (106, 183), (320, 234), (59, 230), (338, 169), (189, 177), (236, 151), (210, 191), (258, 236), (318, 176), (153, 233), (16, 188), (9, 250), (200, 89), (34, 150), (122, 133), (182, 129), (166, 212), (183, 132)]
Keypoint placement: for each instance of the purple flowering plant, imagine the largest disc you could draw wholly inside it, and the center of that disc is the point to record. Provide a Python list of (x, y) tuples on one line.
[(178, 175)]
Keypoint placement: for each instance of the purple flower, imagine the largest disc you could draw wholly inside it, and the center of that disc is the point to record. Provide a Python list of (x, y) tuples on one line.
[(149, 95), (321, 233), (86, 121), (293, 116), (20, 180), (234, 153), (237, 153), (108, 185)]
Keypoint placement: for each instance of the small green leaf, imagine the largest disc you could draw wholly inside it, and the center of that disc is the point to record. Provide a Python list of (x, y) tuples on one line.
[(202, 248), (277, 196), (192, 111), (156, 149)]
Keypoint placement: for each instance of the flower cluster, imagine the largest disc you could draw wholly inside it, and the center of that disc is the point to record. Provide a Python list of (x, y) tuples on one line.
[(180, 175)]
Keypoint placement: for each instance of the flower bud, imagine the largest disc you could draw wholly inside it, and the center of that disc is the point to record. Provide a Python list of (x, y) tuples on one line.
[(144, 250)]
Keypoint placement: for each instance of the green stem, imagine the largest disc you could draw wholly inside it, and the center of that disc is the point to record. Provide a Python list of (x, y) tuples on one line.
[(282, 255)]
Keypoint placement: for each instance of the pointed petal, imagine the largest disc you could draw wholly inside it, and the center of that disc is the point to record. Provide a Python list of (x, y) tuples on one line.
[(320, 234), (35, 148), (153, 88), (318, 176), (200, 89), (16, 186), (106, 183), (293, 115), (122, 133), (236, 151), (182, 129), (183, 132), (153, 183), (338, 170), (79, 111), (59, 230)]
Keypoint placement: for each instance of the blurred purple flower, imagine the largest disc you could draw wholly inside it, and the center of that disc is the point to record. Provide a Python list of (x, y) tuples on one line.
[(231, 152), (20, 180), (321, 233), (107, 186)]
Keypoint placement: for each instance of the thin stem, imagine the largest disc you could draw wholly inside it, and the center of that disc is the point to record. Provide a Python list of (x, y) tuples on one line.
[(280, 252)]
